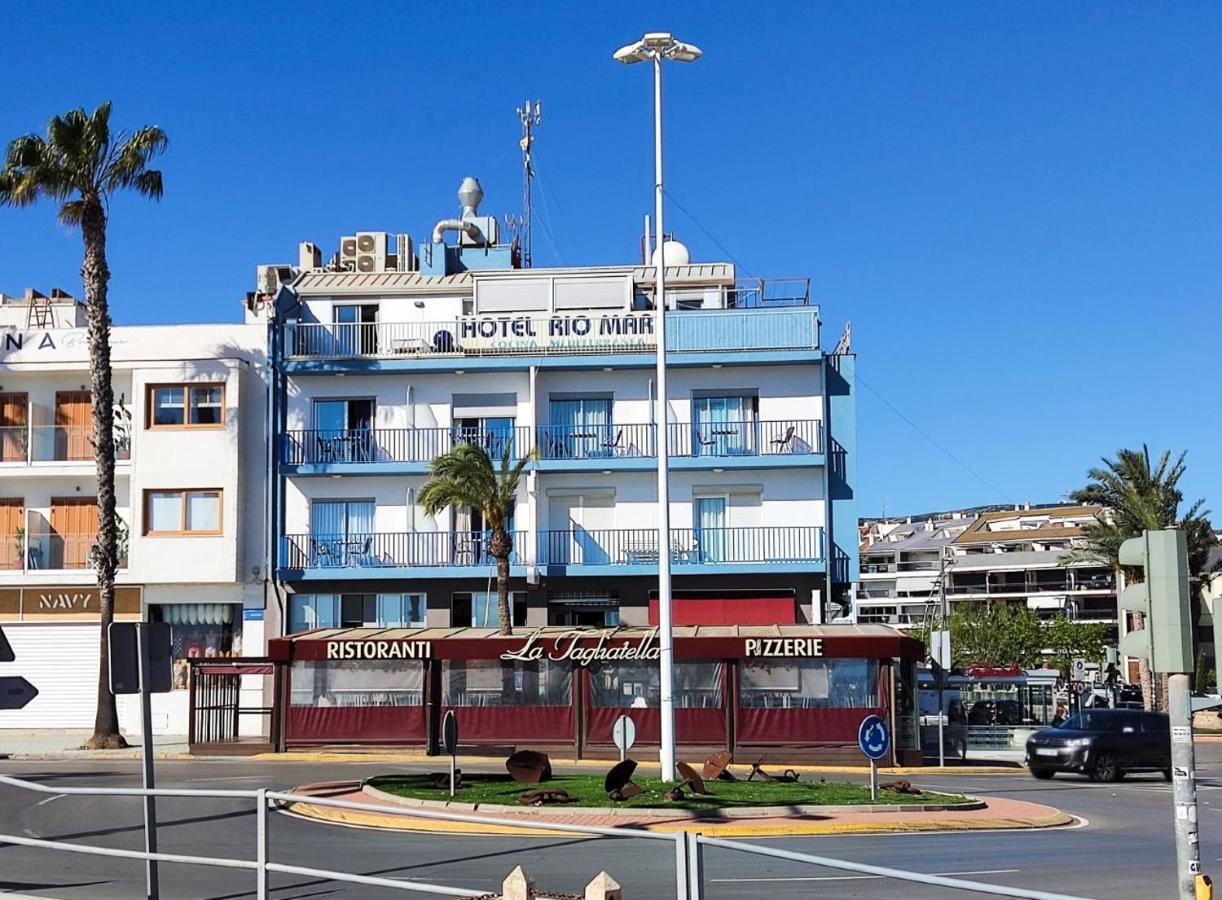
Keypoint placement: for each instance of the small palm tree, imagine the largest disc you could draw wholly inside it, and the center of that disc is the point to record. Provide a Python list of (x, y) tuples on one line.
[(80, 165), (465, 476), (1138, 495)]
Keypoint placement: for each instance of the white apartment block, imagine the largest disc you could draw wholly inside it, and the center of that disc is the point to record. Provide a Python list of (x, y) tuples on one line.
[(190, 429), (1018, 555)]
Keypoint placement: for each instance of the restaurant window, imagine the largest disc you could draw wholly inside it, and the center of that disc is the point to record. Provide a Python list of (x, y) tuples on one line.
[(635, 685), (186, 405), (307, 611), (495, 682), (350, 683), (479, 609), (182, 512), (809, 683), (199, 630)]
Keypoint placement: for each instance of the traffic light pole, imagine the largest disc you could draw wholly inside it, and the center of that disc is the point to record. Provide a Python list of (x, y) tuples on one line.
[(1183, 779)]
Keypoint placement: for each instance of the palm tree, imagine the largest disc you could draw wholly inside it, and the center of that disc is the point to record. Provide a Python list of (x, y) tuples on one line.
[(79, 165), (465, 476), (1138, 496)]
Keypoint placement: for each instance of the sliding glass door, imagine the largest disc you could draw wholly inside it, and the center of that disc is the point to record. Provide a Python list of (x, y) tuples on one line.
[(580, 428), (341, 532)]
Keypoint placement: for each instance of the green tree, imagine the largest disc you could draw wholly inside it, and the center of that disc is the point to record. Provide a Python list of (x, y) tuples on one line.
[(1138, 495), (1067, 639), (80, 165), (466, 477)]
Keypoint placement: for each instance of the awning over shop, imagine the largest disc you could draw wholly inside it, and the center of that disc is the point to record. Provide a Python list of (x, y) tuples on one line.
[(712, 610)]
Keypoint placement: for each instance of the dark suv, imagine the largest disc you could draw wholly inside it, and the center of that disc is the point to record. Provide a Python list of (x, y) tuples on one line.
[(1104, 744)]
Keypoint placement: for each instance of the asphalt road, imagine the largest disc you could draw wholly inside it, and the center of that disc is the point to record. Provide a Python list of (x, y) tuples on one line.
[(1125, 849)]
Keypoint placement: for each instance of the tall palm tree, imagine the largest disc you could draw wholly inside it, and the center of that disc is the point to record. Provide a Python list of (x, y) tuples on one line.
[(465, 476), (1138, 495), (80, 165)]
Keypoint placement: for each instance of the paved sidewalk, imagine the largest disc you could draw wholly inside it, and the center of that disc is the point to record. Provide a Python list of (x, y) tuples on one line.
[(998, 813), (66, 744)]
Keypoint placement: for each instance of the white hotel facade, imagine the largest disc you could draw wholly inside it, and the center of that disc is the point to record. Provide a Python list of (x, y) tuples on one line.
[(394, 353), (190, 429)]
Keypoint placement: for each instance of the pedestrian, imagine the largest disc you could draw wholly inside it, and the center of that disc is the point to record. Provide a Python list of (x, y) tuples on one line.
[(956, 721), (1060, 714)]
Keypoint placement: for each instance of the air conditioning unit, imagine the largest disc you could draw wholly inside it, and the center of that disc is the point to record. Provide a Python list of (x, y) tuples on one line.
[(269, 278), (372, 249), (347, 254)]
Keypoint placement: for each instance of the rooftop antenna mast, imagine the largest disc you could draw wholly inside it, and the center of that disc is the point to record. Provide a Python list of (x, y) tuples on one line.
[(530, 115)]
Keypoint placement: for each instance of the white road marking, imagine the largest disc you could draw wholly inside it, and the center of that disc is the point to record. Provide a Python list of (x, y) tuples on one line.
[(50, 800), (855, 877)]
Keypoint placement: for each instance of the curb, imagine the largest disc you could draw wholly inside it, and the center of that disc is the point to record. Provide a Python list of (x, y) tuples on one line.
[(307, 756), (373, 818), (693, 815)]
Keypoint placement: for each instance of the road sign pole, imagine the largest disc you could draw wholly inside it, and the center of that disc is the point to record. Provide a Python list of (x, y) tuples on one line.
[(1183, 779), (873, 781), (146, 759)]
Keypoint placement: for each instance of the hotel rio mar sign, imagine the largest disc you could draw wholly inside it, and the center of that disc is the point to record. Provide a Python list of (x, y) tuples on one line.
[(579, 646), (607, 332)]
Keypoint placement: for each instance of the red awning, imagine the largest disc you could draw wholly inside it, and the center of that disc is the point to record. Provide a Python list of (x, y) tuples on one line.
[(728, 611), (232, 668)]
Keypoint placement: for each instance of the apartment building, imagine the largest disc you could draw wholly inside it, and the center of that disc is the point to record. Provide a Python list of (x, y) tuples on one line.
[(190, 426), (394, 352), (1015, 555)]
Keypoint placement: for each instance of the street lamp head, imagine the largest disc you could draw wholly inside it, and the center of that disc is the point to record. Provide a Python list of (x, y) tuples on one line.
[(657, 45)]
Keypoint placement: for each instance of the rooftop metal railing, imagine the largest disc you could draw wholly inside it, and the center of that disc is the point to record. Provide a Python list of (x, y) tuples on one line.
[(765, 327)]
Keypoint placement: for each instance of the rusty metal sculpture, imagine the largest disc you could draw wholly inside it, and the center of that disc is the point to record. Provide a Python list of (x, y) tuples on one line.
[(899, 787), (717, 767), (691, 779), (789, 776), (545, 797), (441, 780), (529, 767), (619, 785)]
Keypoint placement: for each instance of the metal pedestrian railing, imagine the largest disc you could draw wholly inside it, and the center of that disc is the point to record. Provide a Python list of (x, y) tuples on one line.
[(687, 847)]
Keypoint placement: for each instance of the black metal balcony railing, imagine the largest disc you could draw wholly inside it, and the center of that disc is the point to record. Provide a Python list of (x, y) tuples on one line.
[(745, 438), (596, 441), (1066, 585), (779, 437), (689, 546), (377, 445), (393, 550)]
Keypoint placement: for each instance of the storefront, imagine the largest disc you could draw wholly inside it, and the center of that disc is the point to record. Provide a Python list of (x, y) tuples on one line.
[(53, 630), (788, 692)]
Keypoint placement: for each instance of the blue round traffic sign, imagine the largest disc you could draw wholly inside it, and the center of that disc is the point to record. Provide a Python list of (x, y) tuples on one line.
[(874, 737)]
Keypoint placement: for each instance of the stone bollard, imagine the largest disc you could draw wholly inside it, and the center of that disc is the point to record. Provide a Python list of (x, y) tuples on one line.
[(603, 887), (519, 886)]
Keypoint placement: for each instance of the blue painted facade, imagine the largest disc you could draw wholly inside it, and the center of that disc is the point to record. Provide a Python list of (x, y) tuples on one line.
[(312, 356)]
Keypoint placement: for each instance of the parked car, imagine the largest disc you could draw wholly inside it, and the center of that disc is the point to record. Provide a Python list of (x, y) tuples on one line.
[(1105, 744), (995, 712)]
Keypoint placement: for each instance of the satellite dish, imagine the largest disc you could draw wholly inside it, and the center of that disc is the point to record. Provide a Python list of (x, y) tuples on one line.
[(676, 254)]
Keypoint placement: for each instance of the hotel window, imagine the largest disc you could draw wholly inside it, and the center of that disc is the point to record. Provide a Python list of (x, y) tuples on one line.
[(182, 512), (186, 405), (307, 611), (199, 630), (479, 610)]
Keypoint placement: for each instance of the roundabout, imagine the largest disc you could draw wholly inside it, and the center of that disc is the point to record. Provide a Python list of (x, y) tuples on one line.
[(410, 803)]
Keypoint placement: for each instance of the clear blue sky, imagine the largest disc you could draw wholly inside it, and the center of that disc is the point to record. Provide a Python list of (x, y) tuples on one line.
[(1018, 206)]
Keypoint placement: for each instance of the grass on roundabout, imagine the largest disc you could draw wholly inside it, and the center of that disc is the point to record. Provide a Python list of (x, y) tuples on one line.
[(588, 789)]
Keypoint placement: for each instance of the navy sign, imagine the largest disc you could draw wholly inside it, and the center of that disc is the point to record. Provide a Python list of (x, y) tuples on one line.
[(874, 737)]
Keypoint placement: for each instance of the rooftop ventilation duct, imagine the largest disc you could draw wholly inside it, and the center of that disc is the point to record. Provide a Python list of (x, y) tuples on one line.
[(470, 194)]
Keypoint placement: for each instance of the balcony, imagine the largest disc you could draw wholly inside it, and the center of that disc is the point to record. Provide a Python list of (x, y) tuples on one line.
[(756, 444), (575, 552), (55, 444), (620, 550), (567, 341), (341, 556), (59, 552)]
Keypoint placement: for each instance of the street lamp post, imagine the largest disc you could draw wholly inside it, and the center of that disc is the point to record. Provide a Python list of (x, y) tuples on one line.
[(655, 47)]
